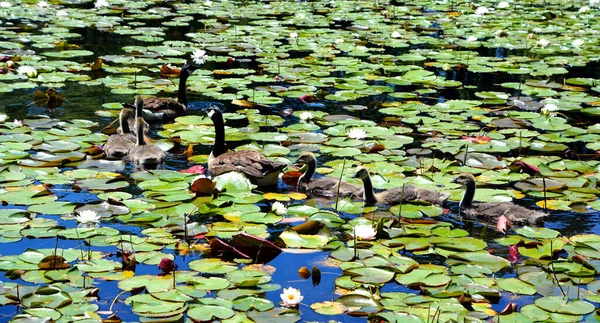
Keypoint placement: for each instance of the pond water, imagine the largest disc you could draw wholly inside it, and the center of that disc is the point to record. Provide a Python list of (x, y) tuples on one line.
[(418, 92)]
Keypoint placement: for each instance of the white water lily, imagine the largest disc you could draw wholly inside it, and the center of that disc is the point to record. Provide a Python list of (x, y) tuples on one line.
[(199, 56), (577, 43), (208, 3), (339, 40), (594, 2), (306, 115), (88, 217), (584, 9), (471, 39), (549, 110), (291, 297), (42, 4), (503, 5), (101, 4), (396, 34), (5, 4), (293, 35), (356, 133), (3, 117), (61, 13), (543, 42), (364, 232), (27, 70), (481, 11), (279, 208)]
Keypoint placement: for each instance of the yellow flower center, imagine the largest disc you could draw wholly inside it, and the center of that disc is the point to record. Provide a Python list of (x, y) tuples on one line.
[(291, 297)]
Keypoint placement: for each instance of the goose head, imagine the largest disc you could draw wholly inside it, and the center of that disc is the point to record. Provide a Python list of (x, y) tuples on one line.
[(361, 172), (213, 112), (306, 158), (464, 179), (187, 70)]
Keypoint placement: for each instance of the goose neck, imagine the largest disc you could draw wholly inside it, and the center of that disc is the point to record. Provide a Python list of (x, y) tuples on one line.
[(368, 194), (467, 199), (123, 123), (219, 147), (140, 133), (181, 91), (308, 174)]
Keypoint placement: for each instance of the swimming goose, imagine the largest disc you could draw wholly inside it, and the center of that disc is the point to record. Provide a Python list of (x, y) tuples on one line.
[(118, 145), (324, 186), (164, 109), (492, 211), (397, 195), (259, 169), (143, 155)]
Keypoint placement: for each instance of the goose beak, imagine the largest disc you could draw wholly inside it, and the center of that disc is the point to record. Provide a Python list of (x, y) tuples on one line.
[(455, 180)]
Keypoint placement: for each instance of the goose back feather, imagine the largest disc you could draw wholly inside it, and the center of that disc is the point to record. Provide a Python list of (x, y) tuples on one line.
[(164, 109), (492, 211), (398, 195), (258, 168), (143, 155), (118, 145), (324, 186)]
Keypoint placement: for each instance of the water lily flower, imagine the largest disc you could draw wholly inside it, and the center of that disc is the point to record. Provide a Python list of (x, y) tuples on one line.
[(356, 133), (584, 9), (396, 34), (481, 11), (503, 224), (549, 110), (293, 35), (306, 115), (594, 2), (291, 297), (364, 232), (17, 123), (166, 265), (101, 4), (3, 117), (471, 39), (339, 40), (577, 43), (88, 217), (61, 13), (5, 4), (279, 208), (208, 3), (543, 42), (42, 4), (27, 70), (199, 56), (503, 5)]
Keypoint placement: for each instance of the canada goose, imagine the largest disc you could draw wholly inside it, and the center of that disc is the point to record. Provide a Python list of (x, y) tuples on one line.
[(492, 211), (397, 195), (324, 186), (164, 109), (260, 170), (143, 155), (118, 145)]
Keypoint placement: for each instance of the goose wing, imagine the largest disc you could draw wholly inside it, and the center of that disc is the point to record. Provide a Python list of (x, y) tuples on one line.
[(249, 162), (491, 212)]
